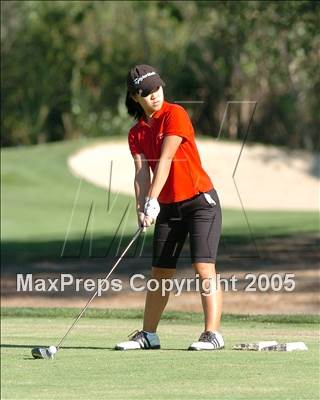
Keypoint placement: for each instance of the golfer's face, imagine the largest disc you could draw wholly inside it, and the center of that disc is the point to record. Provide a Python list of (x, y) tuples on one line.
[(153, 102)]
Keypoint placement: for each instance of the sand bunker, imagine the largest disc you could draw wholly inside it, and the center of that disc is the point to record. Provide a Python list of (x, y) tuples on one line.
[(264, 177)]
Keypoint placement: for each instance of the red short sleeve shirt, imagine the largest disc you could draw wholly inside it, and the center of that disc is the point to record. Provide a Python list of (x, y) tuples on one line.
[(187, 177)]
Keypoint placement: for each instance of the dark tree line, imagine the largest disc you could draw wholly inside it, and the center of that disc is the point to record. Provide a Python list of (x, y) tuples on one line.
[(64, 63)]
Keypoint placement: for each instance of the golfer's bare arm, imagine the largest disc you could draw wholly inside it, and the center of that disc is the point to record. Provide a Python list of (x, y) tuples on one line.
[(168, 150), (141, 180)]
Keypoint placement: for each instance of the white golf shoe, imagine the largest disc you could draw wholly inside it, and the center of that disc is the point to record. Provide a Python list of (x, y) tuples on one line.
[(140, 340), (208, 341)]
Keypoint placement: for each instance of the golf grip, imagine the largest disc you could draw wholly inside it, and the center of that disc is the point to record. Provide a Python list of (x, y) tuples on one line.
[(136, 235)]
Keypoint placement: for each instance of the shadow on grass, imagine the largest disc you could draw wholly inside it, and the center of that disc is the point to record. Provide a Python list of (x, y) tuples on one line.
[(27, 346), (236, 252), (101, 247)]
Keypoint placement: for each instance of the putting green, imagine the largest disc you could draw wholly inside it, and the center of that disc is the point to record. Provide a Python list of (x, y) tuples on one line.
[(87, 367)]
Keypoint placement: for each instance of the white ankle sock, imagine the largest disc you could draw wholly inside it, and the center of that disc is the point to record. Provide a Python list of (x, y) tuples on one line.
[(150, 333)]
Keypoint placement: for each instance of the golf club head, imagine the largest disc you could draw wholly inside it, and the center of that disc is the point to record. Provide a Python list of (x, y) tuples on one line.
[(41, 352)]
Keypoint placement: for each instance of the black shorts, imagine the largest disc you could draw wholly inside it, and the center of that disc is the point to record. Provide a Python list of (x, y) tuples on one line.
[(196, 217)]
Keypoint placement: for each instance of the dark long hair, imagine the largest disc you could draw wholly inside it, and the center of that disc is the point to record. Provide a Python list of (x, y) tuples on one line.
[(134, 108)]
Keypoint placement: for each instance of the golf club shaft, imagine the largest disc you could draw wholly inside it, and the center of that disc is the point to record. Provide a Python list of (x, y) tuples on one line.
[(136, 235)]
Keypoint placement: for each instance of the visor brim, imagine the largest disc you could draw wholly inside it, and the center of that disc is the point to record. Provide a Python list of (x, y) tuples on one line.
[(149, 87)]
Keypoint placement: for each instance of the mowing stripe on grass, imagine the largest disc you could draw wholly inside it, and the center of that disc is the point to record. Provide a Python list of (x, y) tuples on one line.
[(190, 317)]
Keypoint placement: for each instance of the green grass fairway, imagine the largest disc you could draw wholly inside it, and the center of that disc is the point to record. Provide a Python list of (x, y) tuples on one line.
[(88, 367)]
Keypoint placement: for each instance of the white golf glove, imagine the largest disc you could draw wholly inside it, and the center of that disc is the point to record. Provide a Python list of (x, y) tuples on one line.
[(151, 208)]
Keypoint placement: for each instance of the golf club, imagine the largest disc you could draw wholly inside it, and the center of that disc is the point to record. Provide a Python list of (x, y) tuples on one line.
[(48, 353)]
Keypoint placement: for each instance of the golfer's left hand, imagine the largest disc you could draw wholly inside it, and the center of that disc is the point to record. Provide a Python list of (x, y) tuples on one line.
[(151, 208)]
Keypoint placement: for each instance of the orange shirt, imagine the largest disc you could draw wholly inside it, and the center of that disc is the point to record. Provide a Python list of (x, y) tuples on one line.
[(187, 177)]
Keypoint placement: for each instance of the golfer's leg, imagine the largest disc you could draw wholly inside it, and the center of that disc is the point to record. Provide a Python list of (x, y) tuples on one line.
[(211, 297), (155, 301), (169, 236)]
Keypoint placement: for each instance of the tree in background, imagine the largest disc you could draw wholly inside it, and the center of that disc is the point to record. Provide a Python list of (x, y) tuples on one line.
[(64, 66)]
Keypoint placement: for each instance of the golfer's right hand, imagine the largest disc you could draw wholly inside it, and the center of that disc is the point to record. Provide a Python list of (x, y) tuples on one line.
[(144, 221)]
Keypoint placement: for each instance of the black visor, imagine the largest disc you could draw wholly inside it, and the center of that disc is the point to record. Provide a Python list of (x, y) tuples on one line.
[(144, 79)]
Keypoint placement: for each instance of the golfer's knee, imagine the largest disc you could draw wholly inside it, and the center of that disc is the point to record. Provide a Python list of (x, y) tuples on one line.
[(204, 269)]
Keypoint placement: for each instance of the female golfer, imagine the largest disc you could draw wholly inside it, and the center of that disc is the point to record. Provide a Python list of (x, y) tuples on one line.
[(179, 198)]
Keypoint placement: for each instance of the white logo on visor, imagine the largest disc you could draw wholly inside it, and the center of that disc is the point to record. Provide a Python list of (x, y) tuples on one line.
[(141, 78)]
